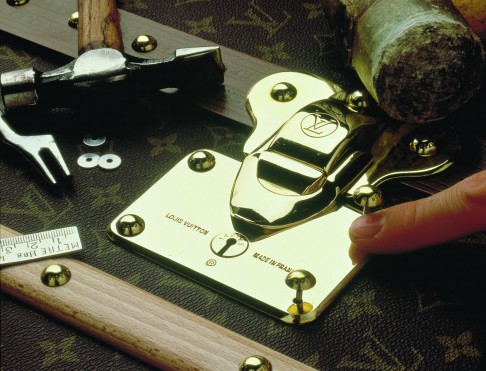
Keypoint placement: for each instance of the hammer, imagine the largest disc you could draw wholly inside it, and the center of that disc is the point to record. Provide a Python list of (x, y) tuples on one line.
[(419, 59), (103, 73)]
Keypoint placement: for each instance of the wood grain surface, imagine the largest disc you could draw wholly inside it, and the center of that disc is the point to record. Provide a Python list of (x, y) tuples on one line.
[(98, 25), (133, 320)]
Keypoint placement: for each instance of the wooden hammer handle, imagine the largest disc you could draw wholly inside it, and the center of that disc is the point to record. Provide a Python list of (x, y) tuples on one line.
[(134, 321), (98, 25)]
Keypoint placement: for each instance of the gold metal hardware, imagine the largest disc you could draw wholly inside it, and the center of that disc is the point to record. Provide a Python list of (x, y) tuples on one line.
[(367, 197), (188, 226), (310, 162), (283, 92), (73, 20), (55, 275), (358, 101), (256, 363), (423, 146), (201, 161), (17, 2), (130, 225), (300, 281), (144, 43), (229, 245)]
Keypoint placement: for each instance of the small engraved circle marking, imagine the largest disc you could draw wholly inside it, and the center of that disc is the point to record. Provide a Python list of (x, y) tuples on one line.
[(211, 263), (229, 245), (319, 125)]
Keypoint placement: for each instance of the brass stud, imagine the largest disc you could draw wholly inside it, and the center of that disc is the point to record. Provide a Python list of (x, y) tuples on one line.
[(300, 280), (73, 20), (367, 197), (256, 363), (55, 275), (144, 44), (423, 146), (201, 161), (17, 2), (130, 225), (358, 101), (283, 92)]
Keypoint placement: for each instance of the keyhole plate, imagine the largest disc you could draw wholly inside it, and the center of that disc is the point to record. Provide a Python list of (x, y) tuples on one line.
[(229, 245), (188, 227)]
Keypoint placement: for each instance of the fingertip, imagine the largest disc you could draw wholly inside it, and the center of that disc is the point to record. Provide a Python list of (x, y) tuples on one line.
[(367, 226), (452, 213)]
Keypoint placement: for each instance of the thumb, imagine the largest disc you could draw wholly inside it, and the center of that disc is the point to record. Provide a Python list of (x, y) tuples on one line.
[(455, 212)]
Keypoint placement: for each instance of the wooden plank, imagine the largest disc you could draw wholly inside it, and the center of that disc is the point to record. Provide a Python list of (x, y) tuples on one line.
[(134, 321)]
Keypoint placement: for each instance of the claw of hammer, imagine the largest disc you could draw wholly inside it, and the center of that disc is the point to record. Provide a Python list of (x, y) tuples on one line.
[(40, 150)]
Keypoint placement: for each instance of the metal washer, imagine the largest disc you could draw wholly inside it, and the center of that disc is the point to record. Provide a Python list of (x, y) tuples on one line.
[(88, 160), (94, 141), (109, 161)]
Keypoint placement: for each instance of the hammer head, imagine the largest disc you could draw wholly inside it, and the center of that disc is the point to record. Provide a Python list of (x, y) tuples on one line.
[(18, 88), (199, 67), (108, 75)]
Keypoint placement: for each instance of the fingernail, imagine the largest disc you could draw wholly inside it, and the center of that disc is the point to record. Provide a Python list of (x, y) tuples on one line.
[(367, 226), (357, 256)]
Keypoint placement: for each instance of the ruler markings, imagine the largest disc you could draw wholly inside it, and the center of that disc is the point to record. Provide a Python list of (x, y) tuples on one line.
[(39, 245)]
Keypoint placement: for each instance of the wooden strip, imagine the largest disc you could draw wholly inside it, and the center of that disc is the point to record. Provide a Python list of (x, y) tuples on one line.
[(134, 321), (45, 23)]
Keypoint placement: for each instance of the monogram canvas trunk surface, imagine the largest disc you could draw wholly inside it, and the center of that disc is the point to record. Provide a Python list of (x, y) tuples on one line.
[(418, 311)]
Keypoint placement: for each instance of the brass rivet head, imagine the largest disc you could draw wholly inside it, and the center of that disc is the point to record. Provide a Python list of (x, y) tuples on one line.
[(73, 20), (17, 2), (55, 275), (423, 146), (201, 161), (130, 225), (283, 92), (256, 363), (300, 280), (367, 196), (144, 44), (358, 101)]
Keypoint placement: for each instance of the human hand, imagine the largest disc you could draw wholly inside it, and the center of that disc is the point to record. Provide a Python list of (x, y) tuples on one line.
[(455, 212)]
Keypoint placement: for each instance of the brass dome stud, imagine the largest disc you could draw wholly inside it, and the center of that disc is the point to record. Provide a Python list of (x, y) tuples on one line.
[(300, 280)]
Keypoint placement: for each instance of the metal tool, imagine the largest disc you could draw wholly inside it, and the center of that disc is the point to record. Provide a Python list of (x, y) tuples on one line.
[(102, 73), (242, 72), (288, 206), (40, 150), (106, 75)]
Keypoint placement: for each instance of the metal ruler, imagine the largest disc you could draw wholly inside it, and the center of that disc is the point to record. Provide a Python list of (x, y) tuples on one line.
[(39, 245)]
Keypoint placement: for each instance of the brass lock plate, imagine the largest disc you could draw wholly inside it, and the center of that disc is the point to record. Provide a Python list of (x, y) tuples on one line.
[(184, 223)]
